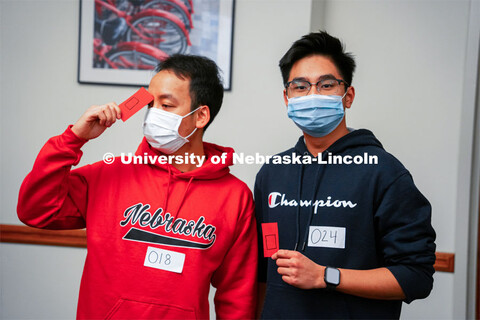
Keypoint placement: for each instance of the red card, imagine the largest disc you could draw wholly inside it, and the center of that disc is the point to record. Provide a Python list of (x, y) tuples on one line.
[(270, 239), (136, 102)]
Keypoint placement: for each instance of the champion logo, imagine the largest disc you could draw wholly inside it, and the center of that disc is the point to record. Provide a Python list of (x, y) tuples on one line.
[(138, 214), (276, 199), (270, 200)]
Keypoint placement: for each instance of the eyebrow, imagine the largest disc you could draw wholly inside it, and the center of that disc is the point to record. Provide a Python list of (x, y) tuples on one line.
[(322, 77), (168, 96)]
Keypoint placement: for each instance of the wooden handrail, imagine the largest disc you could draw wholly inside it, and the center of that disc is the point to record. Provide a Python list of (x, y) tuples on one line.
[(28, 235), (445, 262)]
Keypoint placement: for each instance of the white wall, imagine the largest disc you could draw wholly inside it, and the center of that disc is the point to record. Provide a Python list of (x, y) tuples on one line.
[(40, 96), (410, 93), (39, 282)]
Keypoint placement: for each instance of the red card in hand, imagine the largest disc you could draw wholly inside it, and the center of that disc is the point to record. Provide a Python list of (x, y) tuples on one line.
[(136, 102), (270, 239)]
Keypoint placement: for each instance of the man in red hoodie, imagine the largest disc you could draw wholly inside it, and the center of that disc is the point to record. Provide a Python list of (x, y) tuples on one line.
[(158, 234)]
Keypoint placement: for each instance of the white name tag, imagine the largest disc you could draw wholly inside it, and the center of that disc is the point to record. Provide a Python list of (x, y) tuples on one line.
[(164, 260), (328, 237)]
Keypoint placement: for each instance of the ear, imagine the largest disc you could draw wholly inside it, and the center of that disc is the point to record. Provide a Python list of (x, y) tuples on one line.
[(285, 98), (203, 116), (349, 97)]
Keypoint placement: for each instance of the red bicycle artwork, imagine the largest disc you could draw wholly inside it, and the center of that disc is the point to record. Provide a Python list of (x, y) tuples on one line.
[(126, 55), (122, 41), (159, 28)]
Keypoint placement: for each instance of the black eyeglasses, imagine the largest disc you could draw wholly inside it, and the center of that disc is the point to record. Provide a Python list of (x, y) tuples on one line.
[(329, 86)]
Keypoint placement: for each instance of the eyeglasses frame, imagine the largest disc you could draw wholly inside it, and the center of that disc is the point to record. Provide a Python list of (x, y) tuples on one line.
[(340, 81)]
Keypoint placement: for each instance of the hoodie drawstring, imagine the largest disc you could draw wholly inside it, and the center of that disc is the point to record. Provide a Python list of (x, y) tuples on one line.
[(168, 189), (168, 193), (315, 190), (183, 198), (300, 178)]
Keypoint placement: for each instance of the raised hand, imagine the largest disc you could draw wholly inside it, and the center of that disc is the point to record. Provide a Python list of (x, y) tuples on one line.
[(96, 120)]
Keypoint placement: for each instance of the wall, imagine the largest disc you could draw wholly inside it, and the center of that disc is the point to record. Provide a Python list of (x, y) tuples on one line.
[(411, 92), (410, 86), (40, 96)]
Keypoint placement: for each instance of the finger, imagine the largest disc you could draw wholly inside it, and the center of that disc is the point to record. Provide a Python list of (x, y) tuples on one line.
[(102, 118), (285, 253), (118, 111), (283, 263), (284, 271), (113, 114), (108, 116), (288, 280)]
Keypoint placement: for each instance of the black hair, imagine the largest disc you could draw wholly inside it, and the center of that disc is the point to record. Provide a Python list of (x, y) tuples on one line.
[(206, 86), (319, 43)]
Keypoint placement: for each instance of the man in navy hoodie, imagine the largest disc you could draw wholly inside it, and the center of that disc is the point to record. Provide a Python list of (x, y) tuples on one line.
[(354, 233)]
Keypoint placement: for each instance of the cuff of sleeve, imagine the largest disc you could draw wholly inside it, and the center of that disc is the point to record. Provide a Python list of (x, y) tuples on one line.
[(415, 283), (73, 142), (72, 137), (401, 275)]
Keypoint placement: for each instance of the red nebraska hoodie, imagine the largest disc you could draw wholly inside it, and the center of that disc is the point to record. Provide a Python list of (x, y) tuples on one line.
[(156, 237)]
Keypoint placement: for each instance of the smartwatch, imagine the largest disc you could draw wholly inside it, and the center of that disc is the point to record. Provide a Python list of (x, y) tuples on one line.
[(331, 277)]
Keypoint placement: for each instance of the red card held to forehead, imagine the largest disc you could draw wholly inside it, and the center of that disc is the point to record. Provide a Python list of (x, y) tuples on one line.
[(270, 239), (136, 102)]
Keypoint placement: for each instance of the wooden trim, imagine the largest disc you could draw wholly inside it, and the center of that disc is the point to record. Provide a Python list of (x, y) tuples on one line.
[(445, 262), (77, 238), (28, 235)]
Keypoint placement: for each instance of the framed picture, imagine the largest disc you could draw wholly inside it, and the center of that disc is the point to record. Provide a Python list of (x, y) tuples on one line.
[(122, 41)]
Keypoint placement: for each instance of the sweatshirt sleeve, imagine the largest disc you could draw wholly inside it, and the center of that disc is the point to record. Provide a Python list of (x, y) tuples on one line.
[(236, 278), (407, 238), (52, 196)]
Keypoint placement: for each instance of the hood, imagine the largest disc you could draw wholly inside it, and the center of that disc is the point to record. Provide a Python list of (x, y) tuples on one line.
[(208, 171), (356, 138)]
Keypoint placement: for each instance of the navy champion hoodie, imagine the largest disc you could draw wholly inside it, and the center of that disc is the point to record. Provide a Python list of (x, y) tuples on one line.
[(354, 216)]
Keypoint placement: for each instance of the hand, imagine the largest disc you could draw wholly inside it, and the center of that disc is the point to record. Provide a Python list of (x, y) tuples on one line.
[(299, 271), (95, 120)]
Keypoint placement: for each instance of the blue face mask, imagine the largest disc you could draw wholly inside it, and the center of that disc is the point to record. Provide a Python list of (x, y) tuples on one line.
[(315, 114)]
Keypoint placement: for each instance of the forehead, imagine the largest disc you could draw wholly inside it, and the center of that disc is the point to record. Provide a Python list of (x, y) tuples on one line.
[(166, 81), (313, 67)]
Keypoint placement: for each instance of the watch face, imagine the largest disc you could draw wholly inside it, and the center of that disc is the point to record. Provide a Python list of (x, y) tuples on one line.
[(332, 276)]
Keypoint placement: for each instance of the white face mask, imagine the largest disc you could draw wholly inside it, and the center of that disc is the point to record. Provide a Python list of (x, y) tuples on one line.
[(161, 130)]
